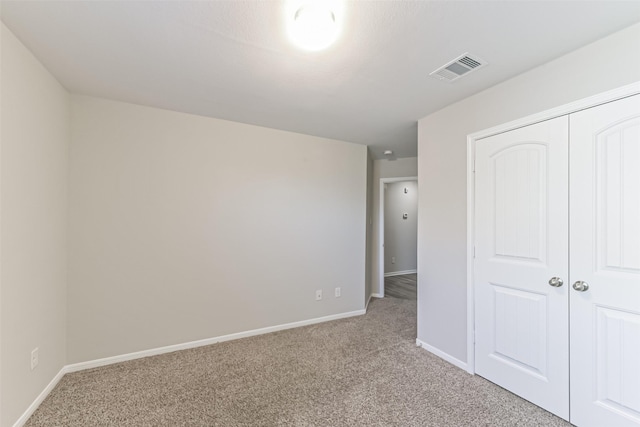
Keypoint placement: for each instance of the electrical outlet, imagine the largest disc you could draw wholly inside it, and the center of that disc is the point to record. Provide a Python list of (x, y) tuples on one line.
[(393, 260), (34, 358), (318, 294), (337, 292)]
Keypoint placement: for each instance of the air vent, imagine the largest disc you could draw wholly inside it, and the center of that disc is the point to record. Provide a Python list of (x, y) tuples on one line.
[(461, 66)]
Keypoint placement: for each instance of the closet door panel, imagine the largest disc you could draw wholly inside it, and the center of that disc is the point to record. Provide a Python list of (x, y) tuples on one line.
[(521, 243), (605, 264)]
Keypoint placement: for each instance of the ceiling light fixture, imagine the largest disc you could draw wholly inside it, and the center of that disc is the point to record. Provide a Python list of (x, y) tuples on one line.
[(388, 152), (314, 26)]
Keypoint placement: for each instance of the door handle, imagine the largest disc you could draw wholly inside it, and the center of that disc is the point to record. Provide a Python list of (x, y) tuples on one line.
[(581, 286), (556, 282)]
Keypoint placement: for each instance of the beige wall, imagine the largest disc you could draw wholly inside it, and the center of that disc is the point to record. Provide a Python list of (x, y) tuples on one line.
[(405, 167), (607, 64), (185, 228), (33, 178)]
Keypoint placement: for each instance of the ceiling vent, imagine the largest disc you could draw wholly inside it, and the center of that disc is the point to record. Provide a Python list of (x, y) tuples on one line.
[(459, 67)]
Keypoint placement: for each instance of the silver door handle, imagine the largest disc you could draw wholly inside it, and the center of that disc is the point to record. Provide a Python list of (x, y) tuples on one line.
[(581, 286), (556, 282)]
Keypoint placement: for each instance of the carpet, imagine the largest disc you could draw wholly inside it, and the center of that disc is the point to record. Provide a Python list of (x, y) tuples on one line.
[(360, 371)]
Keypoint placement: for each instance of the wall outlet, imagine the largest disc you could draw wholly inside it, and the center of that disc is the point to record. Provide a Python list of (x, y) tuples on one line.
[(34, 358), (337, 292), (318, 294), (393, 260)]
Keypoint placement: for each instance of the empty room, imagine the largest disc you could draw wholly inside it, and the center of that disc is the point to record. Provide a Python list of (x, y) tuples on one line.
[(320, 213)]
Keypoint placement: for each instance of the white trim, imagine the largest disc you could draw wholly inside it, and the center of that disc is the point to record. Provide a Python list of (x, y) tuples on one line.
[(384, 181), (400, 273), (208, 341), (572, 107), (377, 295), (43, 395), (471, 220), (442, 355)]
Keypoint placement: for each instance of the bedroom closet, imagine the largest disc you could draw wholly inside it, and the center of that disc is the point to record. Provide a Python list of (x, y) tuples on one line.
[(557, 263)]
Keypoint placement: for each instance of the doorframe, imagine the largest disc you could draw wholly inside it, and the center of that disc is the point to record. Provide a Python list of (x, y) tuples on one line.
[(384, 181), (472, 139)]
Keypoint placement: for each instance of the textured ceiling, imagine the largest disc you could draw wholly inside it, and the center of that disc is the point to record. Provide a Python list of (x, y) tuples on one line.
[(232, 59)]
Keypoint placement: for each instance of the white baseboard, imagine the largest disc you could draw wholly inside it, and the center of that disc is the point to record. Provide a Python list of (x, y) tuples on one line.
[(377, 295), (400, 273), (75, 367), (43, 395), (441, 354), (208, 341)]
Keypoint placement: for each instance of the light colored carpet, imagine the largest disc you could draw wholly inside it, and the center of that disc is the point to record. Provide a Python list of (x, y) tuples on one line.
[(361, 371)]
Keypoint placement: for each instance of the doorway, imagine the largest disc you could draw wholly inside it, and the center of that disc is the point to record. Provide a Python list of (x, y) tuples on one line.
[(400, 204)]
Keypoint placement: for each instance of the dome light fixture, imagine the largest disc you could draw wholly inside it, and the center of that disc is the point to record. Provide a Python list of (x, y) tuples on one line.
[(314, 26)]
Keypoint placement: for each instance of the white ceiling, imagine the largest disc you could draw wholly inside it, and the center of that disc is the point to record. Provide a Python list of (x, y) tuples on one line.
[(232, 59)]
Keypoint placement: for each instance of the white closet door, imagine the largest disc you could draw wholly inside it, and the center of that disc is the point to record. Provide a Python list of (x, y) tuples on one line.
[(521, 243), (605, 254)]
